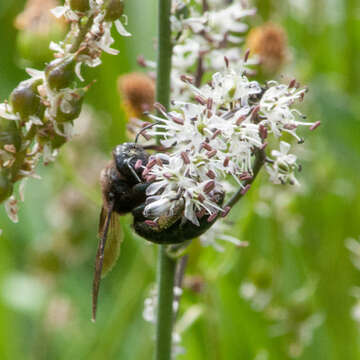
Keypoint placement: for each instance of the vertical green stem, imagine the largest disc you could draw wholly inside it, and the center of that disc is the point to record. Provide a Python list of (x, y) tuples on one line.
[(164, 54), (166, 265), (166, 275)]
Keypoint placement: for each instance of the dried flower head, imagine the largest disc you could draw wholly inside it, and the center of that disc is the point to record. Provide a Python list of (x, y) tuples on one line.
[(269, 42), (138, 92)]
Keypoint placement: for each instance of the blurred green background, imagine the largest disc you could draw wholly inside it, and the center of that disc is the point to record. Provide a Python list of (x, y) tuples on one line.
[(288, 295)]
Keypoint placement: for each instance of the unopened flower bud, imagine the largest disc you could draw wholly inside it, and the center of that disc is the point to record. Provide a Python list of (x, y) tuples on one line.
[(70, 105), (25, 99), (60, 73), (79, 5), (114, 9), (6, 187)]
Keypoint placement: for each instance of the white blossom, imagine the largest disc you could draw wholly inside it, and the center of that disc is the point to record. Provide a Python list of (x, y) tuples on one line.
[(219, 232), (281, 171), (202, 40), (215, 137), (275, 106)]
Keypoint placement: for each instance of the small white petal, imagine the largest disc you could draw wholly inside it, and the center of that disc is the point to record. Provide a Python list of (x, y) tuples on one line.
[(155, 187), (284, 147), (22, 189), (35, 74), (121, 29), (55, 47), (35, 120), (6, 112), (190, 214), (78, 71), (59, 11)]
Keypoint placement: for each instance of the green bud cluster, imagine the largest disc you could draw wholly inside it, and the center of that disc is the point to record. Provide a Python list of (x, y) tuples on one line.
[(38, 117)]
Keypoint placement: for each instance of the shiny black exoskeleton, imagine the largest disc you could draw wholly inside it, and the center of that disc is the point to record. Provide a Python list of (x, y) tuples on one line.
[(122, 191), (121, 182)]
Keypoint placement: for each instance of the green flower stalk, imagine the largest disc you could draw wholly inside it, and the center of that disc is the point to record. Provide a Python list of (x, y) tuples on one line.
[(166, 266)]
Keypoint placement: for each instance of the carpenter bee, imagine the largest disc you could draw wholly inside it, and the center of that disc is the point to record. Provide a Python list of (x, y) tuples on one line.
[(122, 191)]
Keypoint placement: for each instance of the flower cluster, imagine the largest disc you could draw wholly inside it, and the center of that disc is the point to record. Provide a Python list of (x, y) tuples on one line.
[(219, 138), (219, 231), (39, 117), (203, 33)]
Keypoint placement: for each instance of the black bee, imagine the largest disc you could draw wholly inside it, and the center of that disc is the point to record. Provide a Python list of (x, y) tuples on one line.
[(122, 191)]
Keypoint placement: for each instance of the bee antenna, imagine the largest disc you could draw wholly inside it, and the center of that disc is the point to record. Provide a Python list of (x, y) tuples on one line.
[(145, 128)]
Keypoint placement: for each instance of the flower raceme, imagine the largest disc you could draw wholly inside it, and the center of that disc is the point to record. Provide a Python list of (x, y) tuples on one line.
[(216, 138), (39, 117), (203, 32)]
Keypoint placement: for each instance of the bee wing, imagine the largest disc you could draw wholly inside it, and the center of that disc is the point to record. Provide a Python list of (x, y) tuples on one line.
[(113, 244), (108, 251)]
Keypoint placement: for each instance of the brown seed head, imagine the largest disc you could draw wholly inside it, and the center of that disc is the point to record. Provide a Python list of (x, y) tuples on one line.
[(138, 92), (269, 42)]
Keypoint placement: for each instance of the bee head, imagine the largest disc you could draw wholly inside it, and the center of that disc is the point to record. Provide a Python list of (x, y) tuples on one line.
[(126, 156)]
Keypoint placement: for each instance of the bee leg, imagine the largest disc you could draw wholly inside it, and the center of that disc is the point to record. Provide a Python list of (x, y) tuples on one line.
[(132, 170), (138, 213), (140, 188)]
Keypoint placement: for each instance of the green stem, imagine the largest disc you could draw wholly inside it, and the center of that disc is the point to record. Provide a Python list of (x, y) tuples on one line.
[(166, 265), (166, 276), (82, 33), (164, 54)]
